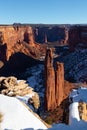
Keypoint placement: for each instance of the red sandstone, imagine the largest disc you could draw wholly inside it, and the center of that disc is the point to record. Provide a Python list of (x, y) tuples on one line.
[(54, 82)]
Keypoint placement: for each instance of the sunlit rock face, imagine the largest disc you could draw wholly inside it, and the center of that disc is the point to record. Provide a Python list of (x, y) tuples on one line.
[(50, 82), (59, 83), (15, 34), (54, 81)]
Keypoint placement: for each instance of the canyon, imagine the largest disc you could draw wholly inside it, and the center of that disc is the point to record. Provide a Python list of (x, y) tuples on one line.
[(63, 50), (31, 39)]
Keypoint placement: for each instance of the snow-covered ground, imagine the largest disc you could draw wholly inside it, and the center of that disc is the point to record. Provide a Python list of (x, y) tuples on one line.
[(25, 99), (81, 125), (76, 96), (35, 79), (16, 116), (76, 67), (80, 94)]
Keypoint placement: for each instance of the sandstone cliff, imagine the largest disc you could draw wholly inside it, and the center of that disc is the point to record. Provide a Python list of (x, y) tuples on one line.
[(12, 35), (54, 82), (18, 49), (77, 37), (51, 34), (23, 38)]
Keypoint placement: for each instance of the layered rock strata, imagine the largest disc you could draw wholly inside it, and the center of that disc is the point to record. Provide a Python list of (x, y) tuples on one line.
[(17, 39)]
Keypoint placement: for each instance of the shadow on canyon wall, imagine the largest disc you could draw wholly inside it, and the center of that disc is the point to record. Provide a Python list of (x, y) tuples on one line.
[(17, 63)]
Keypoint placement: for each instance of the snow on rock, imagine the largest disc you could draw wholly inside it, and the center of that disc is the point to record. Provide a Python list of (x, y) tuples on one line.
[(75, 97), (35, 80), (74, 113), (79, 94), (25, 99), (16, 116), (76, 67)]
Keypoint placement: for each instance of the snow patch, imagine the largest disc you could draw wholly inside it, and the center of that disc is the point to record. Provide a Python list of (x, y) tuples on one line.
[(73, 113), (16, 116)]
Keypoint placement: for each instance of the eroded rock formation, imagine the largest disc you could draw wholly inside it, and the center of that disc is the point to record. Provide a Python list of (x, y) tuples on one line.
[(50, 81), (11, 87), (59, 83), (54, 82)]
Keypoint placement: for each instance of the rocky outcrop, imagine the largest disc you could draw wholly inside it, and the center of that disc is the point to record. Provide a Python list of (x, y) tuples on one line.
[(34, 101), (54, 82), (82, 107), (11, 87), (77, 37)]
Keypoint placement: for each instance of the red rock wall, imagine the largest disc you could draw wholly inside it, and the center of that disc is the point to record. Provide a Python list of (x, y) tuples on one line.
[(77, 35), (11, 35), (54, 82), (51, 34)]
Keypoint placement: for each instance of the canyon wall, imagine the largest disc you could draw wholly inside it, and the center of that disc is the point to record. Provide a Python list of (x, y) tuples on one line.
[(51, 34), (12, 35), (54, 80), (77, 37), (15, 36)]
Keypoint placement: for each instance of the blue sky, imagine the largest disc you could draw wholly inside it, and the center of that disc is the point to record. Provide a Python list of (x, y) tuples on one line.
[(43, 11)]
